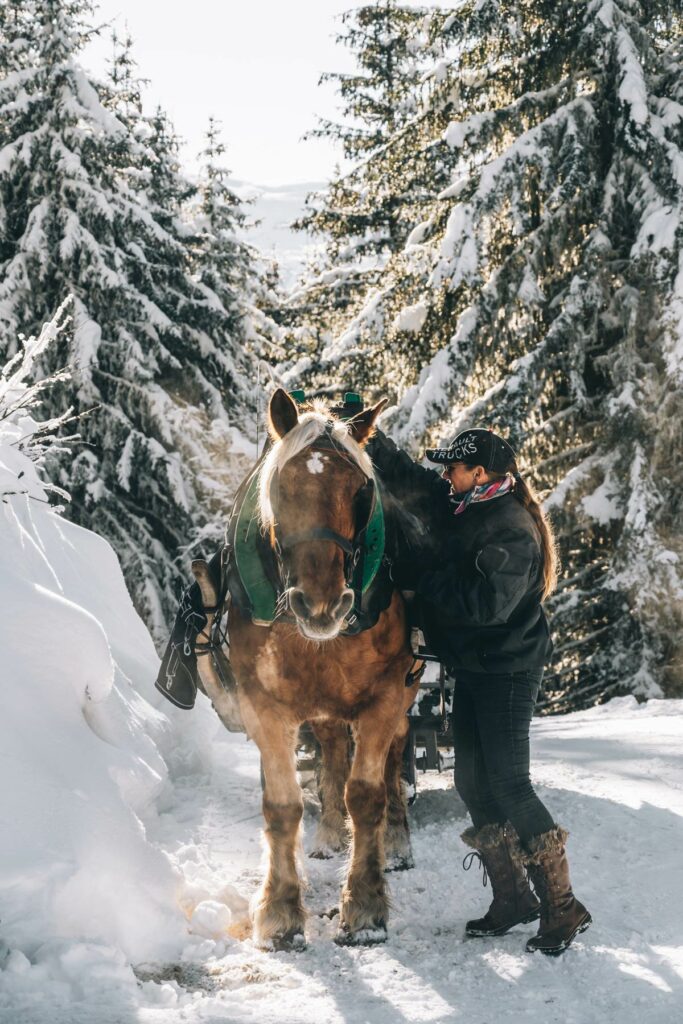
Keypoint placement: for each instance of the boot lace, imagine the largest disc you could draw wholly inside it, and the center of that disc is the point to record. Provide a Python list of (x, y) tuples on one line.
[(468, 861)]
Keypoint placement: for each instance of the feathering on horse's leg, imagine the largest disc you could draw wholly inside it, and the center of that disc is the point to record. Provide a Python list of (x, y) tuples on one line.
[(332, 835), (365, 902), (278, 911), (397, 849)]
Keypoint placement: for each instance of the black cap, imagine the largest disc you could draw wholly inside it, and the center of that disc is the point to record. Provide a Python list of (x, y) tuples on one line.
[(476, 447)]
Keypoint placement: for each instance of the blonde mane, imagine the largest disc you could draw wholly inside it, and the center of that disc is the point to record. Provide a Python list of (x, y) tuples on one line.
[(309, 428)]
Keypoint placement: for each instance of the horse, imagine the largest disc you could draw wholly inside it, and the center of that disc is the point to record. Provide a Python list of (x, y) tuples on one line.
[(312, 487)]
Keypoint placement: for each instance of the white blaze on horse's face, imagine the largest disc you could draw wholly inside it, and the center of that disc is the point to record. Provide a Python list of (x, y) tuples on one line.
[(304, 490)]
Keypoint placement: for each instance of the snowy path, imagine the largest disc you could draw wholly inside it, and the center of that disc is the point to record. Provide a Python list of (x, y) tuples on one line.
[(613, 775)]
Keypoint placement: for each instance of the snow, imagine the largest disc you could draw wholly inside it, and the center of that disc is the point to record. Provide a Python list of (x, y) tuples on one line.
[(632, 88), (418, 233), (573, 479), (453, 191), (370, 318), (412, 318), (529, 292), (604, 503), (458, 131), (77, 747)]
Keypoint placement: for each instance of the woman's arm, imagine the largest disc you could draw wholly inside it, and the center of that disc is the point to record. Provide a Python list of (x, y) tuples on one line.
[(403, 477)]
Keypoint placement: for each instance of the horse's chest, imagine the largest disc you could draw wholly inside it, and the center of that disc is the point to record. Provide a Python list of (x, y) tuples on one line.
[(310, 682), (302, 674)]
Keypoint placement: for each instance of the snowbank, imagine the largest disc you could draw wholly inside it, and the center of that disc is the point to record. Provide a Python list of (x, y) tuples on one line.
[(85, 888), (79, 744)]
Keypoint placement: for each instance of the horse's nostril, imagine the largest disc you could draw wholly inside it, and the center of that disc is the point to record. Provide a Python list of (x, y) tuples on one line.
[(298, 604), (343, 605)]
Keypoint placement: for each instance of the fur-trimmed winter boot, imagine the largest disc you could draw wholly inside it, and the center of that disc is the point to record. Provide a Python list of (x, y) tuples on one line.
[(562, 915), (499, 850)]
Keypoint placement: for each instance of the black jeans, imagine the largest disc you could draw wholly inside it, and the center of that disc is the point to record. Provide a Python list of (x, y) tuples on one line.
[(491, 719)]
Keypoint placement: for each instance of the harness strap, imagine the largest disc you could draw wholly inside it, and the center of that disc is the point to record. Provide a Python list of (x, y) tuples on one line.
[(316, 533)]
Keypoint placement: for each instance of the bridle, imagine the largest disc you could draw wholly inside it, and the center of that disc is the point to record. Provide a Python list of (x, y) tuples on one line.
[(353, 549)]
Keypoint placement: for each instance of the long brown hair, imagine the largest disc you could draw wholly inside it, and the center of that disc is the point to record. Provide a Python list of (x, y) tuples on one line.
[(526, 495)]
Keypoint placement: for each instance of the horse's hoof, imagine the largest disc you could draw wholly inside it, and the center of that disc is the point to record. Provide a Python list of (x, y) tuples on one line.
[(326, 849), (289, 942), (404, 863), (374, 936)]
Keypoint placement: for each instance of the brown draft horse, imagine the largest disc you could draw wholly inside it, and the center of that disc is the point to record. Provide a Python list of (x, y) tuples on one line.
[(308, 671)]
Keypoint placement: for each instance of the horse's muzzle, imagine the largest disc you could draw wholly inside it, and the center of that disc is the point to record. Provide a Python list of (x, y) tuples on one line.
[(320, 621)]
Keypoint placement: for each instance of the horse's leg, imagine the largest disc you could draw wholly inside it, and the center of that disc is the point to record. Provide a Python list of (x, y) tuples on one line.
[(364, 903), (397, 850), (332, 834), (278, 912)]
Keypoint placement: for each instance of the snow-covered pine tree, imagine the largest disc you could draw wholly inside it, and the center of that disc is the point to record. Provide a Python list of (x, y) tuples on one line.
[(378, 99), (222, 257), (93, 210), (229, 269), (122, 91), (20, 395), (542, 295), (366, 212)]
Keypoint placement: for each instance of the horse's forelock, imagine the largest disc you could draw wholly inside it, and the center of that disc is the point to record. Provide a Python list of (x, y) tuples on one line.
[(309, 428)]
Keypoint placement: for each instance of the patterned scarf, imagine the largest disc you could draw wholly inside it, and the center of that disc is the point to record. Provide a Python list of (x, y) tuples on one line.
[(484, 492)]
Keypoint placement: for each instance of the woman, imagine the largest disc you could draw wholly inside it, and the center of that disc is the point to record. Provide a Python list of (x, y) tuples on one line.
[(481, 612)]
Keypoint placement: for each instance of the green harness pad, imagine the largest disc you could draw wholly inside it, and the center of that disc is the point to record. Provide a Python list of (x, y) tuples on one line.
[(249, 563)]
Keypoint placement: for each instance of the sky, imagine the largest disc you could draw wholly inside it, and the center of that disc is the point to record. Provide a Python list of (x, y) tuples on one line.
[(253, 64)]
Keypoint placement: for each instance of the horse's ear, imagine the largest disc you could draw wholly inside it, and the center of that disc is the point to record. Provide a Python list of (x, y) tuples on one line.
[(282, 414), (363, 423)]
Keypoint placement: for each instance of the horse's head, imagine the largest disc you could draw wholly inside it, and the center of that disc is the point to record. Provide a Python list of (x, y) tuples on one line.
[(314, 489)]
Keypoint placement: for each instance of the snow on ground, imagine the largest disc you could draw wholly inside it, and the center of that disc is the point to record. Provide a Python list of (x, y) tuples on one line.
[(131, 840)]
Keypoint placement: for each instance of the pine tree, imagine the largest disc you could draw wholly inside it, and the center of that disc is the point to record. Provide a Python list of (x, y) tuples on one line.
[(93, 208), (366, 212), (538, 296), (377, 101), (223, 258), (122, 92)]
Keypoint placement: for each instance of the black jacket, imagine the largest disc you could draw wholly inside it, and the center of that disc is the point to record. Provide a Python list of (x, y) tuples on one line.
[(481, 610), (478, 590)]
